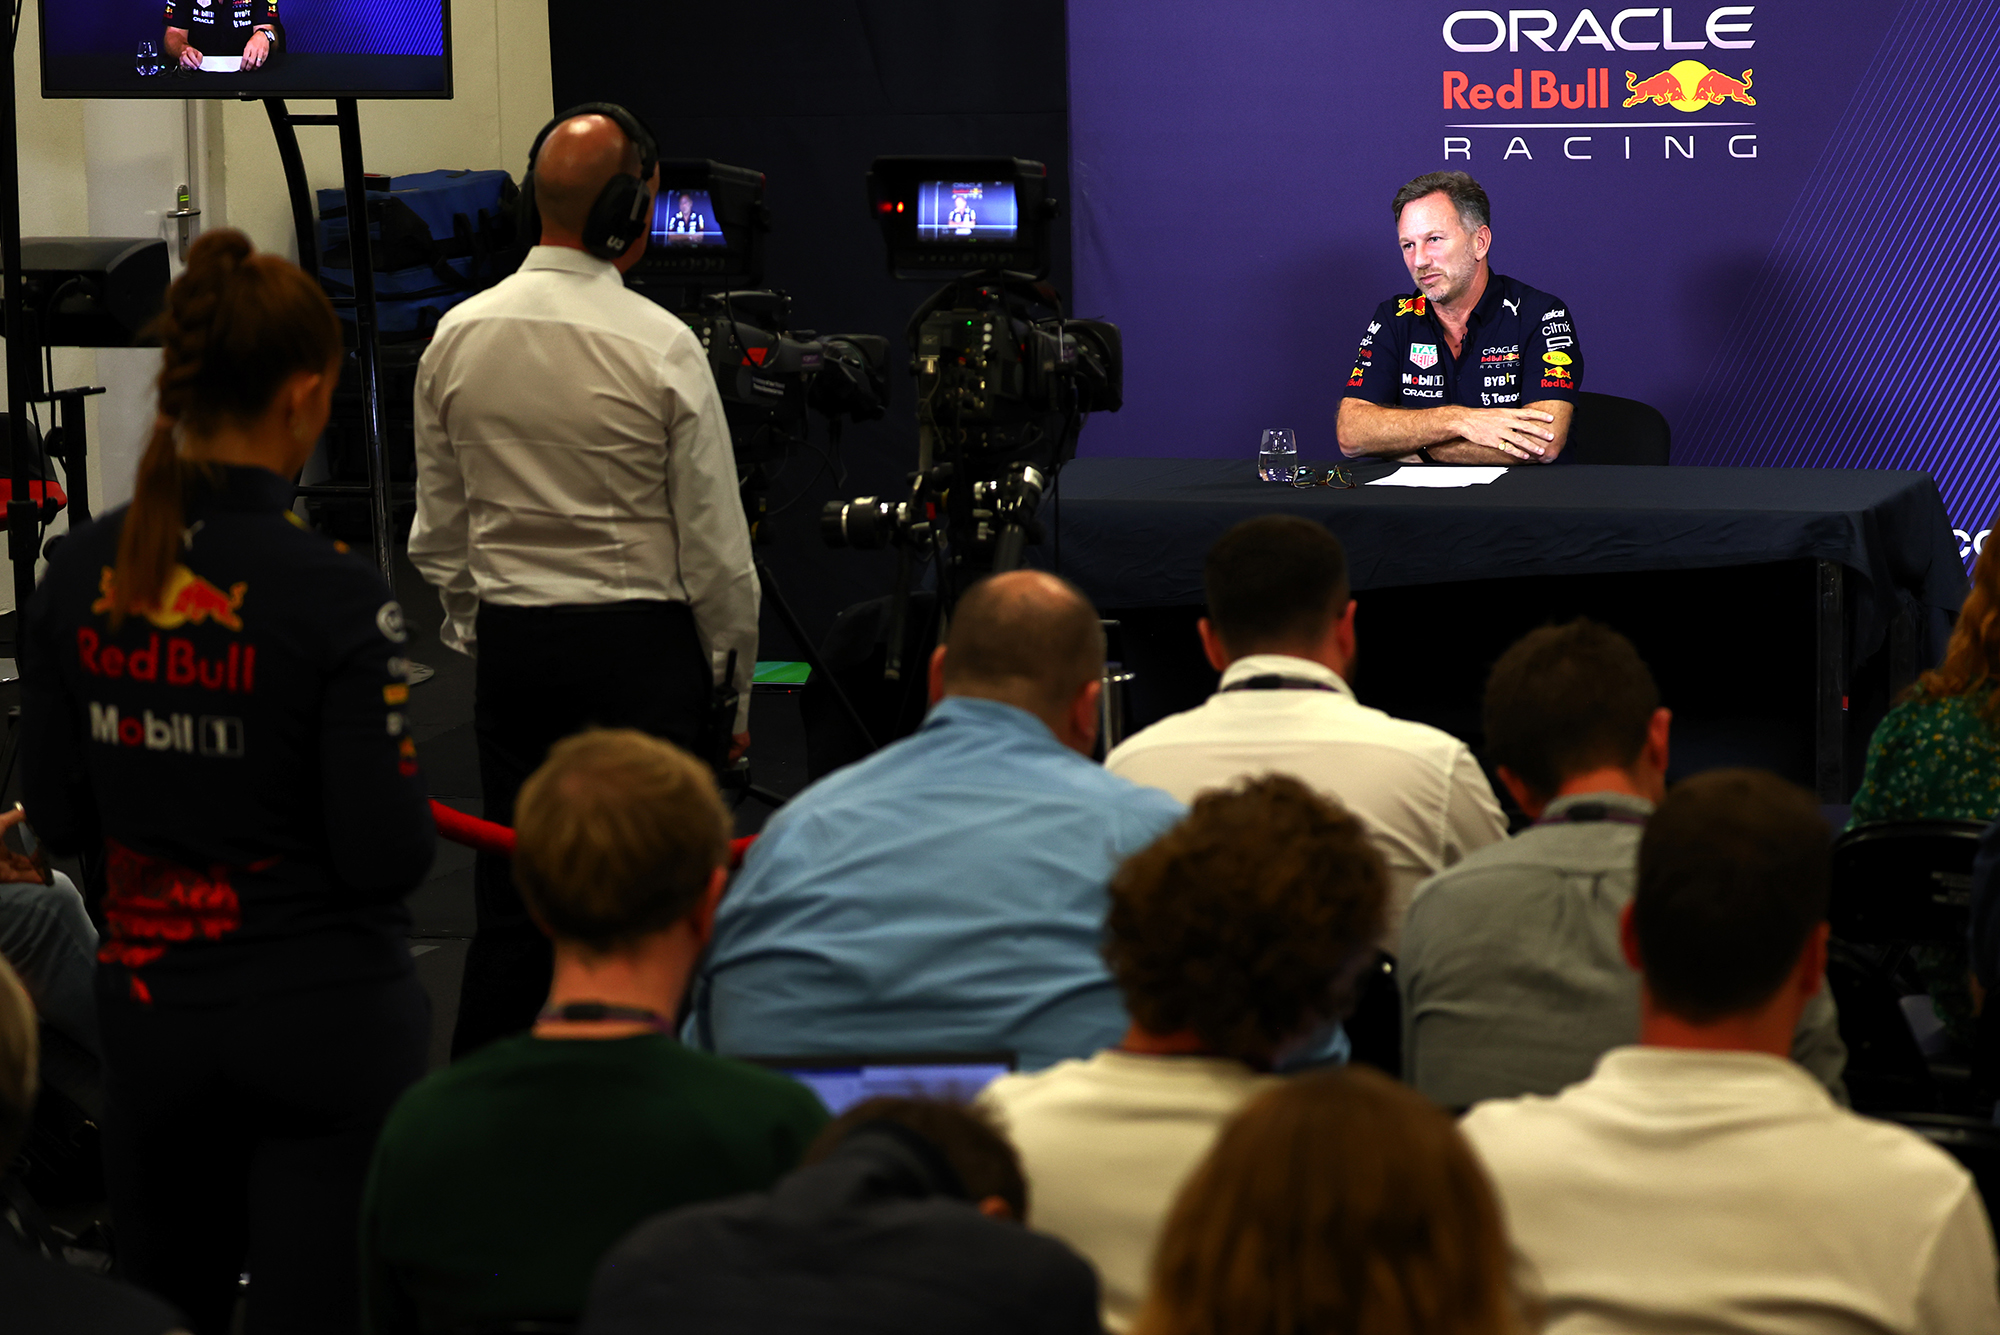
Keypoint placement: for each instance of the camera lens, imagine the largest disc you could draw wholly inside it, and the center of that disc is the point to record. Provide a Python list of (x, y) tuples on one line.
[(865, 523)]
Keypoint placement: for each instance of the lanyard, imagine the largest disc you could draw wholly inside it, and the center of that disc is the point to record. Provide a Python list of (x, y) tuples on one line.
[(1593, 813), (587, 1012), (1274, 682)]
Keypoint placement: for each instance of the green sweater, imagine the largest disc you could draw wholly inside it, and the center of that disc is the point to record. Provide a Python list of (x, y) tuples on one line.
[(1932, 760), (499, 1181)]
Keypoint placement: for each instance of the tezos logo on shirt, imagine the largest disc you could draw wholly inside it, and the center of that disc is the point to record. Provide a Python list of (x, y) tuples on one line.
[(1424, 355)]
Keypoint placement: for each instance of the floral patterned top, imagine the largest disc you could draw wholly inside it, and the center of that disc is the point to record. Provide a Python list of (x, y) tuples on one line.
[(1932, 760)]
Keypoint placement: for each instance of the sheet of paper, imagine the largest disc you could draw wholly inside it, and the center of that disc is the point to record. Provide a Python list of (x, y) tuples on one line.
[(1465, 475), (222, 64)]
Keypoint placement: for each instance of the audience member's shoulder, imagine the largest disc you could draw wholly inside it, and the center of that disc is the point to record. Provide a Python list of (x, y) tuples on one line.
[(1027, 1091), (743, 1083)]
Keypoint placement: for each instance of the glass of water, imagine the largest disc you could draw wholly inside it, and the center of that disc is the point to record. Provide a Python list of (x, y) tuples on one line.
[(1278, 455)]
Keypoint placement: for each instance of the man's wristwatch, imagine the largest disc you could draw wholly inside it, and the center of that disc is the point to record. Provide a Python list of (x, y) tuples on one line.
[(270, 35)]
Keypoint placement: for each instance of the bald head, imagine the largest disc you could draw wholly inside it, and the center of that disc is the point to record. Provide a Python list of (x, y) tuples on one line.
[(1024, 638), (575, 163)]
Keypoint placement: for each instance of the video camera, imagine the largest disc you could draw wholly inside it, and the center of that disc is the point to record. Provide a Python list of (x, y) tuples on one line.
[(1004, 379), (704, 261)]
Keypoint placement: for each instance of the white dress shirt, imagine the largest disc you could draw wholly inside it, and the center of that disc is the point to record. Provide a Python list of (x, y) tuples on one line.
[(1106, 1145), (1677, 1190), (1418, 789), (571, 449)]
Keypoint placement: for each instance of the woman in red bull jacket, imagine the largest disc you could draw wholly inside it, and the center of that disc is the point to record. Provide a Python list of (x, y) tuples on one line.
[(211, 696)]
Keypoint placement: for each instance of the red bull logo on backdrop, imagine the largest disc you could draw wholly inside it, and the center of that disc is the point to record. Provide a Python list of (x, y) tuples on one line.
[(1687, 87)]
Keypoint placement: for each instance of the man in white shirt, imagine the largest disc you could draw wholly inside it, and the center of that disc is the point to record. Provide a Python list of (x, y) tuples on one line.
[(577, 507), (1236, 937), (1701, 1180), (1280, 629)]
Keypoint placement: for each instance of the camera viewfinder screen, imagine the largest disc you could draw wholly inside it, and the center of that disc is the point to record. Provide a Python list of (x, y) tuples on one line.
[(685, 218), (968, 211)]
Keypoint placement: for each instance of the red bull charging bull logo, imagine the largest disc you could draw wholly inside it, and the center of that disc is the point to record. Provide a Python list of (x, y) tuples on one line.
[(187, 600), (1688, 86)]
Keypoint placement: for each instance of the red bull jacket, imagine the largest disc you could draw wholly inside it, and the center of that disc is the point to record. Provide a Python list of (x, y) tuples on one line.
[(241, 751), (1520, 347)]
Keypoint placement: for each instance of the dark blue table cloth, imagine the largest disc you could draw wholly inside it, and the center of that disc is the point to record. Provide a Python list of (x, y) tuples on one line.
[(1133, 531)]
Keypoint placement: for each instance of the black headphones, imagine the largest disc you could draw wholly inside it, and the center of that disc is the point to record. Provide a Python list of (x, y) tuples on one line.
[(623, 209)]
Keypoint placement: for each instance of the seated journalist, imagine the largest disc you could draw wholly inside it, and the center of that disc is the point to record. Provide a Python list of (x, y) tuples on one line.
[(500, 1180), (1513, 978), (1700, 1181), (40, 1295), (946, 895), (46, 934), (1280, 630), (1936, 756), (1337, 1200), (907, 1219), (1472, 368), (1236, 939)]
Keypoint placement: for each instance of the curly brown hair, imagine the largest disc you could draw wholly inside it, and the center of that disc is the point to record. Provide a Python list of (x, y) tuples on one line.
[(1972, 658), (1340, 1202), (1242, 923)]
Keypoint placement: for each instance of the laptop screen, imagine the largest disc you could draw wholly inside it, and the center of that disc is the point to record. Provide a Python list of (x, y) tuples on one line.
[(841, 1082)]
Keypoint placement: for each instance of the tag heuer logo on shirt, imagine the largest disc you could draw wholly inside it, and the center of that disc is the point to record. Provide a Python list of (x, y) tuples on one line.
[(1424, 355)]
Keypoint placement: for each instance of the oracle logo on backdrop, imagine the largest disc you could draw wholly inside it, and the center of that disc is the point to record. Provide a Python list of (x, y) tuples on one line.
[(1971, 544), (1686, 86)]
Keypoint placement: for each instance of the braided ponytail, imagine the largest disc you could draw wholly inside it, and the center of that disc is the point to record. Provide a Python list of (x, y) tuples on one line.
[(236, 326)]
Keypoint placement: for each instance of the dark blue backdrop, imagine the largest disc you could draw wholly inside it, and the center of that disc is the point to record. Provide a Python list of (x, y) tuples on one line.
[(362, 27), (1824, 302)]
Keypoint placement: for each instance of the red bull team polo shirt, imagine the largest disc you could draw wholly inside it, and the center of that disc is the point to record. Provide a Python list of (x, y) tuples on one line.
[(1520, 347)]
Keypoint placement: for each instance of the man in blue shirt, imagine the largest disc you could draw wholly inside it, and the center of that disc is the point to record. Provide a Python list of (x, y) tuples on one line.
[(1474, 367), (948, 893)]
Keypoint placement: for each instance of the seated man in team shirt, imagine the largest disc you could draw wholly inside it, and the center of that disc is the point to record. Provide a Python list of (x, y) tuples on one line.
[(197, 29), (1474, 367)]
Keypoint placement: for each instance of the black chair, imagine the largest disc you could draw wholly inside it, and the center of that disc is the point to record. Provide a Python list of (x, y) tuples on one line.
[(1896, 884), (1973, 1142), (1886, 1072), (1375, 1026), (1609, 430), (1904, 882)]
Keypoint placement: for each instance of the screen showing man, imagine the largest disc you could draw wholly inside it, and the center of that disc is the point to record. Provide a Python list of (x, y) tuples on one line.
[(263, 48), (222, 36), (966, 211), (686, 218)]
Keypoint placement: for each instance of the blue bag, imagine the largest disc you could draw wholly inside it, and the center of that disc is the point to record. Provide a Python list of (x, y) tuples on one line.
[(435, 238)]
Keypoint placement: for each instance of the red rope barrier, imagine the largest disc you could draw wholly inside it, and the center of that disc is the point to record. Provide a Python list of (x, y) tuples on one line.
[(487, 837)]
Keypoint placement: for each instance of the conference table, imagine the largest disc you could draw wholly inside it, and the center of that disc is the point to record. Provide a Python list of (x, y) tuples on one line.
[(1132, 534)]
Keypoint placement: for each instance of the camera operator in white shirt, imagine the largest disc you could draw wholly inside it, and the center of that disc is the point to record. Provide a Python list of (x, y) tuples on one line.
[(577, 507)]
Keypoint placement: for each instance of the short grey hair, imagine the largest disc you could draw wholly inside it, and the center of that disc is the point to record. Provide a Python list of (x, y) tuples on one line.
[(1465, 194)]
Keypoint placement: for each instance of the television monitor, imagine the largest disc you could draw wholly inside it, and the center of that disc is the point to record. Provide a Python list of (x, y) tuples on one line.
[(211, 48), (843, 1081), (950, 216), (708, 227)]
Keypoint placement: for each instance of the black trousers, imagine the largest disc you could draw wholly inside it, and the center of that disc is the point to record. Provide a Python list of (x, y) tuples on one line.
[(237, 1138), (542, 674)]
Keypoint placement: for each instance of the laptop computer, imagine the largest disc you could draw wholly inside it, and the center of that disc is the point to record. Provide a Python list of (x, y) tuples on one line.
[(841, 1081)]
